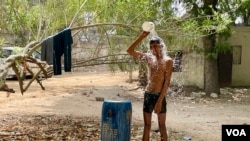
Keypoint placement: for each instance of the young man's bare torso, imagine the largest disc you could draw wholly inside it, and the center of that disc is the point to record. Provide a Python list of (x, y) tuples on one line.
[(156, 77)]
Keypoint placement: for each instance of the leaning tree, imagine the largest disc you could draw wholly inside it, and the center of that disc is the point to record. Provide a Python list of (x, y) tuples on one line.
[(30, 21)]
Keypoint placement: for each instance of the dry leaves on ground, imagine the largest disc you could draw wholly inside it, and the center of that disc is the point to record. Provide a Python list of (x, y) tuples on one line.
[(66, 128)]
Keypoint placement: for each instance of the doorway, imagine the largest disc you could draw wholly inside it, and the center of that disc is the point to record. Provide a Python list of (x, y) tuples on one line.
[(225, 69)]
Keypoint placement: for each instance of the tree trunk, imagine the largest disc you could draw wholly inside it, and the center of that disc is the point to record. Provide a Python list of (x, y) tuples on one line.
[(210, 68)]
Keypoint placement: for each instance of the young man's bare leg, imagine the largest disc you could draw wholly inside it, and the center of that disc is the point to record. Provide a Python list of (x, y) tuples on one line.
[(162, 126), (147, 126)]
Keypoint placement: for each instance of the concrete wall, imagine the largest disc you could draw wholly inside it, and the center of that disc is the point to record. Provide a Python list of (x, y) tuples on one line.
[(193, 63), (192, 72), (241, 71)]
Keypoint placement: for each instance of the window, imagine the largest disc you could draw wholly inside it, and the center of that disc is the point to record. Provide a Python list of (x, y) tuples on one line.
[(177, 67)]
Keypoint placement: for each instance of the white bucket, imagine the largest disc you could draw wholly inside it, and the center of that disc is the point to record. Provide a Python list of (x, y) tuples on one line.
[(148, 26)]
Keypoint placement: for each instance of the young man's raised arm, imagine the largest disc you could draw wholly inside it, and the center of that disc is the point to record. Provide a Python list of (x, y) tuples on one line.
[(131, 49)]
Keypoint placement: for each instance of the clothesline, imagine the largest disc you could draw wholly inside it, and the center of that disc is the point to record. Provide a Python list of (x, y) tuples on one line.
[(88, 26)]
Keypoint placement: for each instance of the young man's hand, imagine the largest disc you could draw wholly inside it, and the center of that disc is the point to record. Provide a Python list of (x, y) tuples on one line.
[(144, 34), (157, 108)]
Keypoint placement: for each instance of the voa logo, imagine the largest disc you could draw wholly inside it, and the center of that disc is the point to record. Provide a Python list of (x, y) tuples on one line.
[(236, 132)]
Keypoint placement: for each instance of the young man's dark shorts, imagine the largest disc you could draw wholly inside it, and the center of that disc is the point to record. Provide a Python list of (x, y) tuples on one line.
[(150, 99)]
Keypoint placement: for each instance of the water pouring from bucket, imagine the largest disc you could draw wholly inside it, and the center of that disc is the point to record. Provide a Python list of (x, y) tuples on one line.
[(179, 80)]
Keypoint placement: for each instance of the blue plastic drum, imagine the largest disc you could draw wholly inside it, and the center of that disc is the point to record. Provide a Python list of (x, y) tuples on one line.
[(116, 120)]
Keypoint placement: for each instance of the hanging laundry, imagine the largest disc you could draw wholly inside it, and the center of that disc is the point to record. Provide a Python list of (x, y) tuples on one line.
[(62, 45), (68, 40), (47, 50)]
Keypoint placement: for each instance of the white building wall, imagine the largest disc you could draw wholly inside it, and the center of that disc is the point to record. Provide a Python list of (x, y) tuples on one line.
[(241, 72)]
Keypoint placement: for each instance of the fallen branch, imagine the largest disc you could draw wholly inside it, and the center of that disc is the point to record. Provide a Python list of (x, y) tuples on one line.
[(17, 61)]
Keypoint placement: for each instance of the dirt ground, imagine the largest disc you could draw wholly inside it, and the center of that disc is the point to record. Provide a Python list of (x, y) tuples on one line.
[(74, 95)]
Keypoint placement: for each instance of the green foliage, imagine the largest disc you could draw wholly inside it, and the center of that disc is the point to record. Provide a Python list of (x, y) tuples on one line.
[(205, 20), (35, 20), (220, 47), (223, 47)]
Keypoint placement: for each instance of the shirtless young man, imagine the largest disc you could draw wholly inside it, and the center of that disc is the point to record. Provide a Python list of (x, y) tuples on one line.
[(159, 75)]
